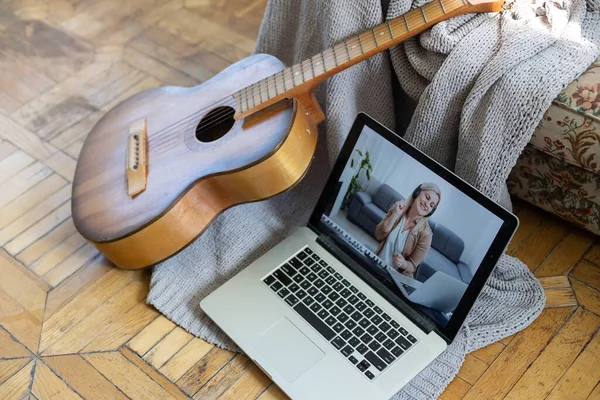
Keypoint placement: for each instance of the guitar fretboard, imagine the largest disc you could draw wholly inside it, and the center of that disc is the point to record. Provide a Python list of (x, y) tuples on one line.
[(346, 53)]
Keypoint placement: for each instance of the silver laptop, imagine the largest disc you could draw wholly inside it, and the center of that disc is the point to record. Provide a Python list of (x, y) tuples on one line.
[(320, 314)]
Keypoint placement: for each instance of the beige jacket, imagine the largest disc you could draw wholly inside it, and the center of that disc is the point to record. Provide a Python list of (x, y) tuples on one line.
[(417, 243)]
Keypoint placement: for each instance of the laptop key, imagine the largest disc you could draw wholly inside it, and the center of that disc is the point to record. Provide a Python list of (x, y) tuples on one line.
[(315, 307), (353, 289), (301, 294), (316, 257), (360, 306), (323, 274), (316, 323), (276, 286), (283, 278), (309, 261), (411, 338), (343, 317), (397, 351), (313, 291), (376, 320), (358, 331), (403, 331), (372, 330), (377, 310), (269, 279), (323, 314), (356, 316), (350, 324), (375, 361), (291, 300), (366, 338), (308, 301), (323, 263), (345, 293), (384, 326), (338, 286), (296, 263), (369, 302), (349, 309), (327, 304), (338, 327), (364, 323), (369, 375), (362, 349), (311, 277), (304, 271), (368, 313), (403, 343), (326, 289), (393, 333), (352, 299), (308, 250), (362, 296), (330, 280), (338, 276), (283, 292), (338, 342), (330, 269), (354, 341), (388, 344), (395, 324), (347, 350), (381, 336), (385, 355), (346, 282), (386, 317), (319, 283), (299, 278), (352, 359), (302, 255), (287, 268), (316, 268), (304, 284), (335, 310), (333, 296), (363, 365), (346, 335), (330, 320), (341, 303), (320, 297), (294, 287)]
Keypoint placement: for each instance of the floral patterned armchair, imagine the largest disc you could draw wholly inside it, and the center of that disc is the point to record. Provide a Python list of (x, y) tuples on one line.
[(559, 169)]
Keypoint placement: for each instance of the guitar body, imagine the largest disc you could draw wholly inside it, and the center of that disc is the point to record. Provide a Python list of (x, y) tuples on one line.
[(199, 163)]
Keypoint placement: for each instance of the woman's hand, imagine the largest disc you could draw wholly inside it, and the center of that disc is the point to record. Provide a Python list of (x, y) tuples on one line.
[(398, 206), (399, 262)]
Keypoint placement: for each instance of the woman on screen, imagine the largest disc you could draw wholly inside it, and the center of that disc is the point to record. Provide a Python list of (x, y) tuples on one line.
[(404, 233)]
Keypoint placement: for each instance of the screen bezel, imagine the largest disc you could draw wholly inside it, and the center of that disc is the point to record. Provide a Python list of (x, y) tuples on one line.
[(509, 224)]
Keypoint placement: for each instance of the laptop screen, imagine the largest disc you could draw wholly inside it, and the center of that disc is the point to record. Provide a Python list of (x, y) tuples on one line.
[(412, 230)]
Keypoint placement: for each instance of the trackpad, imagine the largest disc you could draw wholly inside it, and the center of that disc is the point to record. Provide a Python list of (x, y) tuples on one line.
[(288, 349)]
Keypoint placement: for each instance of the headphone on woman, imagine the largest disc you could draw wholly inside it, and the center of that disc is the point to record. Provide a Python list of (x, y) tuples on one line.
[(415, 193)]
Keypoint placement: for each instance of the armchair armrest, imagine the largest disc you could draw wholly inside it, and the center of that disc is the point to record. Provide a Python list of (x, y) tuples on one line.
[(363, 198), (465, 272)]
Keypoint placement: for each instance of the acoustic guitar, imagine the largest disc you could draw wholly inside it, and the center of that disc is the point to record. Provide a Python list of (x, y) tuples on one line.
[(159, 167)]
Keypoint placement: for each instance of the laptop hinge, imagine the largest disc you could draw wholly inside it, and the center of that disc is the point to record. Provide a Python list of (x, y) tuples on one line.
[(330, 245)]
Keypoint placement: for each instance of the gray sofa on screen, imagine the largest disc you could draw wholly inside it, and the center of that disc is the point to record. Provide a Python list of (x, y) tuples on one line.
[(366, 211), (444, 255)]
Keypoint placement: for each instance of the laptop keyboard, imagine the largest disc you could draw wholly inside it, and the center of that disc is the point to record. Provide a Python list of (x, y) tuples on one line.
[(366, 336)]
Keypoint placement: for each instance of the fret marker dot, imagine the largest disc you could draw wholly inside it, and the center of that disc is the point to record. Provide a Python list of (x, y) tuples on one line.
[(318, 62), (297, 73), (354, 46), (381, 34)]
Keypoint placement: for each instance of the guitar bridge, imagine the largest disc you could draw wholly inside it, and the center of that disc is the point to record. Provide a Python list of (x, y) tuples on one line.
[(136, 168)]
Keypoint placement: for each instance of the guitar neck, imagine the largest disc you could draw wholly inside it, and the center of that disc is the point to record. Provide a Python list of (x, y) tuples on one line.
[(302, 77)]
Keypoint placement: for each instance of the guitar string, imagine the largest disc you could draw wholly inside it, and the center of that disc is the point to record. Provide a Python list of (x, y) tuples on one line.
[(230, 101)]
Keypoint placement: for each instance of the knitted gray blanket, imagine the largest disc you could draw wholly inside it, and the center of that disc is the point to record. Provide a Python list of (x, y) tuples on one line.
[(481, 82)]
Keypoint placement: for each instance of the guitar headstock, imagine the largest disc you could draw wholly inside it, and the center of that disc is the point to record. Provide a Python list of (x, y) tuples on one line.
[(490, 5)]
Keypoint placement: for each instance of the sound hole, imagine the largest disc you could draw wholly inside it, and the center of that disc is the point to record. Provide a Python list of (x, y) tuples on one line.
[(215, 124)]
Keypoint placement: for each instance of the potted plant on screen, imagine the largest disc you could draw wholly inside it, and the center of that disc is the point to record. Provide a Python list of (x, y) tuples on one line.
[(355, 182)]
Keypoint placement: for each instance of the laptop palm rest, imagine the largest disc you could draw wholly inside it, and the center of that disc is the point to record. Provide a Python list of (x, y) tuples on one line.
[(288, 349)]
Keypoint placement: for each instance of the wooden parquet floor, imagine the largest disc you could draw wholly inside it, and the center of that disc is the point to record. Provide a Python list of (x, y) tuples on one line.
[(72, 326)]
